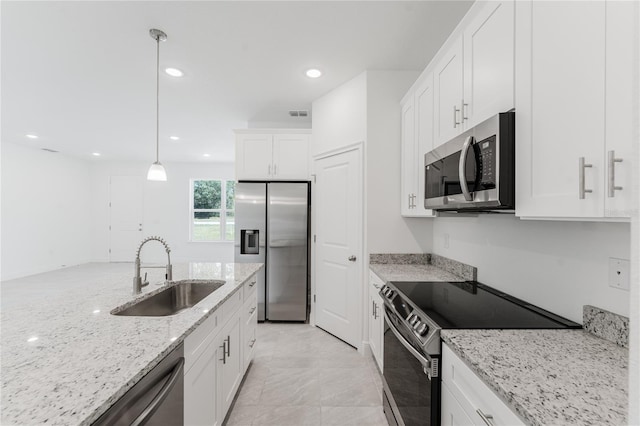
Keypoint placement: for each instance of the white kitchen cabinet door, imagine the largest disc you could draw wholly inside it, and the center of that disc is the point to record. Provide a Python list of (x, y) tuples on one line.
[(488, 62), (376, 319), (449, 83), (621, 79), (200, 395), (254, 154), (473, 396), (408, 181), (290, 157), (423, 140), (230, 365), (452, 414), (560, 99)]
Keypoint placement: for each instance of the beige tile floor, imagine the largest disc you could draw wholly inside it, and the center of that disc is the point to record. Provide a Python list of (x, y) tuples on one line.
[(302, 375)]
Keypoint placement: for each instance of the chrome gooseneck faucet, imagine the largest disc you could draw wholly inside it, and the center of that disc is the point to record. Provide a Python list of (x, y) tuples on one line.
[(137, 280)]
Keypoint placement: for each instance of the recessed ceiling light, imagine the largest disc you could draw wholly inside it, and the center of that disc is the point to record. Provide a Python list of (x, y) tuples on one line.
[(174, 72), (31, 136), (96, 154), (314, 73), (174, 138), (206, 155), (32, 339)]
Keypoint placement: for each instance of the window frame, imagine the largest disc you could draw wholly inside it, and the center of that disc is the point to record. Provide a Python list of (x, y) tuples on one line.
[(222, 210)]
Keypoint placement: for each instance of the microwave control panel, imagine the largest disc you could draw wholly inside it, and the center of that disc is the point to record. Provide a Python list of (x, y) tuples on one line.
[(486, 151)]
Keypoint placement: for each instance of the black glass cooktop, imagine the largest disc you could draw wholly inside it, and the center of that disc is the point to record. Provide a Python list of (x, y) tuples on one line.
[(474, 305)]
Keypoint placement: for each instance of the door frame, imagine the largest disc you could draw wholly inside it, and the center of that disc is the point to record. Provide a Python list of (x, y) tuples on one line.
[(360, 148)]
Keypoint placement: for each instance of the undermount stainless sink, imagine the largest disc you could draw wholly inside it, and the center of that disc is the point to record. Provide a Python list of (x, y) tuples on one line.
[(173, 299)]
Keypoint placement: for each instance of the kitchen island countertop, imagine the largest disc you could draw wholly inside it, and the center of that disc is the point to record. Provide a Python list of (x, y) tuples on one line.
[(549, 377), (66, 359)]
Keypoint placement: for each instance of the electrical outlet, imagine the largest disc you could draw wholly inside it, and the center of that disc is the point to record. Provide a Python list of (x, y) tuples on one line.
[(446, 240), (619, 273)]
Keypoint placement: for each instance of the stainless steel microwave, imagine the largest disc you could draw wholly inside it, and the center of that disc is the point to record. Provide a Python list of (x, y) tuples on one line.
[(474, 171)]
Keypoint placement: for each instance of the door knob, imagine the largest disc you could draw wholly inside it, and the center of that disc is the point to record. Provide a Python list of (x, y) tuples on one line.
[(352, 258)]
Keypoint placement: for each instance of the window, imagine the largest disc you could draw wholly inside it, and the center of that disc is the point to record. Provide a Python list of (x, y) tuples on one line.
[(212, 210)]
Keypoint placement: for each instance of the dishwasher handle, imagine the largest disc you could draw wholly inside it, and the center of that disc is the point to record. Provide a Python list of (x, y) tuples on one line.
[(175, 374)]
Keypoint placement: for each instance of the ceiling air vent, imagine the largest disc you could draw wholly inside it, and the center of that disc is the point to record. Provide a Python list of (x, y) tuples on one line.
[(299, 113), (49, 150)]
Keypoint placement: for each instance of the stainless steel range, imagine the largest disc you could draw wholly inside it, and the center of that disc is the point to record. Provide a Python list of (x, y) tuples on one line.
[(415, 313)]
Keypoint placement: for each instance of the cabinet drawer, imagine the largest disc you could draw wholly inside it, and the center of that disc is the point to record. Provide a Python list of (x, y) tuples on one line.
[(472, 393), (231, 305), (250, 311), (196, 342), (250, 287), (250, 341)]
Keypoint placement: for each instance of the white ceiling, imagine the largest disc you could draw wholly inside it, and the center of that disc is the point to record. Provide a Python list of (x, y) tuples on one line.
[(81, 75)]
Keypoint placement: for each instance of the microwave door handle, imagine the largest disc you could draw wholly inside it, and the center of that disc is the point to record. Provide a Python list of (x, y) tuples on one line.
[(462, 175)]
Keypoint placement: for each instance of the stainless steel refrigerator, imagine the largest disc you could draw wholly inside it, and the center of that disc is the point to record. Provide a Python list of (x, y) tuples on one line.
[(272, 227)]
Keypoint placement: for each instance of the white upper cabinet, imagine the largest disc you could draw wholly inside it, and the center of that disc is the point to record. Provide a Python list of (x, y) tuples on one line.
[(291, 157), (474, 76), (449, 86), (621, 25), (280, 155), (417, 139), (408, 181), (489, 63), (574, 91)]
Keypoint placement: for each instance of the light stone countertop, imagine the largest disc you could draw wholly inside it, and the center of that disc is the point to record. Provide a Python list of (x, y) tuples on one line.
[(549, 377), (84, 358), (412, 272)]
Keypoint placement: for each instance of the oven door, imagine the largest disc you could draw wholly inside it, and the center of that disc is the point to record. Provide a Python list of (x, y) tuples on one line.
[(411, 397)]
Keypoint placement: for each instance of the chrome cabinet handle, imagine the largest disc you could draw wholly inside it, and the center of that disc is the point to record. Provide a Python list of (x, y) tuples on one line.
[(612, 160), (252, 283), (582, 190), (161, 396), (409, 202), (462, 175), (486, 418), (352, 258), (375, 310), (253, 342), (377, 286), (464, 111), (228, 346), (252, 310), (456, 110), (224, 352)]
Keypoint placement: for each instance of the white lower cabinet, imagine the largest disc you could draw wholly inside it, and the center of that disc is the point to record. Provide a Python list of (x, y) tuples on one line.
[(216, 358), (376, 319), (466, 399), (230, 365), (200, 403)]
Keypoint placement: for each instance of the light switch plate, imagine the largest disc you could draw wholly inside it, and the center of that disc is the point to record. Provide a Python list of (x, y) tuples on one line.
[(619, 273)]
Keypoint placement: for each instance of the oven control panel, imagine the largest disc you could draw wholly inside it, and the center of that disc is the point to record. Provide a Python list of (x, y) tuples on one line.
[(416, 323)]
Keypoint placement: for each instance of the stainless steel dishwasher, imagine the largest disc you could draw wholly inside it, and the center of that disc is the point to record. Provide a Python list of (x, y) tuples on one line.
[(157, 399)]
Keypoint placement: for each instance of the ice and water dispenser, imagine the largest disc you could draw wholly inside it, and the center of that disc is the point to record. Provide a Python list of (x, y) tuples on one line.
[(249, 241)]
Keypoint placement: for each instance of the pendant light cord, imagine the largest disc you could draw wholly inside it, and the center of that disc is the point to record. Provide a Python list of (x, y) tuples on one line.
[(158, 99)]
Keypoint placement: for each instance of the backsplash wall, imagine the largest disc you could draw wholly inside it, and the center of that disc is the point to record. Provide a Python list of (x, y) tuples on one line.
[(557, 265)]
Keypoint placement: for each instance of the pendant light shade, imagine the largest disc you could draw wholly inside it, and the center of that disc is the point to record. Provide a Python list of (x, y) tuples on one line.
[(156, 171)]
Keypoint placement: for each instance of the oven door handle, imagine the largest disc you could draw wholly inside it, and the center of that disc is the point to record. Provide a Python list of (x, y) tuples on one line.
[(426, 364), (462, 174)]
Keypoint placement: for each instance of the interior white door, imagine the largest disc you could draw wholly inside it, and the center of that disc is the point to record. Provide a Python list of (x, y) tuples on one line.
[(339, 283), (125, 217)]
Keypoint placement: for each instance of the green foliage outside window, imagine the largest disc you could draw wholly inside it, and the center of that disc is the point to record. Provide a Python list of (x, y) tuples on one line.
[(213, 220)]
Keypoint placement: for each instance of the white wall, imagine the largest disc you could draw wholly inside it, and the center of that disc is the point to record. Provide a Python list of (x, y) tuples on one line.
[(165, 211), (387, 231), (45, 211), (559, 266), (340, 117)]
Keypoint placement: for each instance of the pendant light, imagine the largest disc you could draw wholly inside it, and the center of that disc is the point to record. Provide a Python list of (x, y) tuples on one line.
[(156, 171)]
